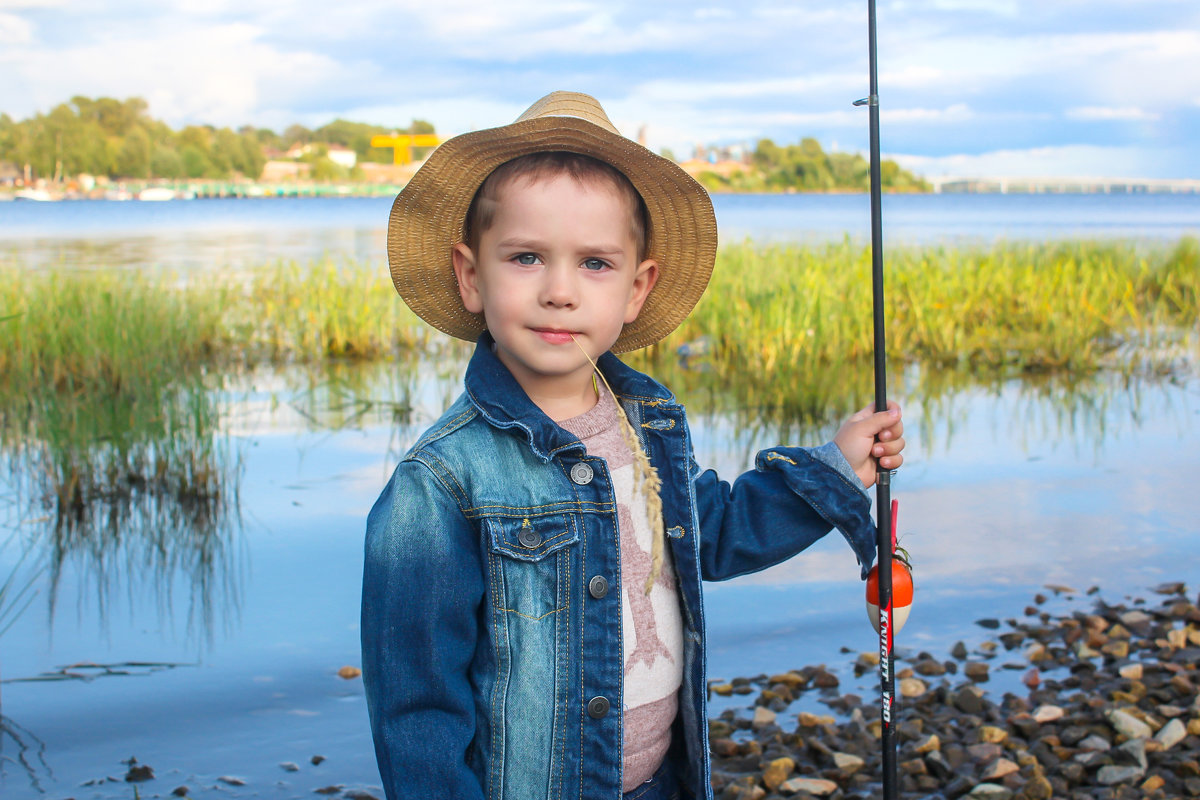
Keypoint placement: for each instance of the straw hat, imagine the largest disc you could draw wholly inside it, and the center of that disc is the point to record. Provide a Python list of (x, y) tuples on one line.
[(429, 215)]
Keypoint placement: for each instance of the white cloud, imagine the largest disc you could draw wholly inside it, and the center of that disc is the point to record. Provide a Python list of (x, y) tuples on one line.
[(1104, 113), (14, 30), (1060, 161), (959, 112)]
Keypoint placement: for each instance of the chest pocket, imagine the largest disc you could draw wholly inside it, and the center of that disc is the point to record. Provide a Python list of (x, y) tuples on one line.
[(531, 563)]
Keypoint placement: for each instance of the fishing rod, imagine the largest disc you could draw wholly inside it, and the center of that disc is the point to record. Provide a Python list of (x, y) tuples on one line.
[(884, 534)]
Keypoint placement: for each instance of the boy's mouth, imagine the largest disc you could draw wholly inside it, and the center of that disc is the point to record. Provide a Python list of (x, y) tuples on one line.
[(555, 335)]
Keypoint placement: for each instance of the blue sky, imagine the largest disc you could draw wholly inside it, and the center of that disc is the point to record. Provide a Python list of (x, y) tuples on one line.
[(967, 87)]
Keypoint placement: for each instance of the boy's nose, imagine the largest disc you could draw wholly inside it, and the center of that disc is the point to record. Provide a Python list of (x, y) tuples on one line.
[(560, 289)]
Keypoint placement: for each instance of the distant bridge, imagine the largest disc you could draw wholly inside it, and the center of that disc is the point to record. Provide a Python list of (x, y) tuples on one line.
[(949, 184)]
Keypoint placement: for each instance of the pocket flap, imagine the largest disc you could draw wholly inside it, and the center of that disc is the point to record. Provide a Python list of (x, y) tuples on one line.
[(531, 538)]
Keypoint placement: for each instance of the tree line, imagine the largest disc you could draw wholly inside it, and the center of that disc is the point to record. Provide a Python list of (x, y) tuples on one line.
[(119, 139), (807, 167)]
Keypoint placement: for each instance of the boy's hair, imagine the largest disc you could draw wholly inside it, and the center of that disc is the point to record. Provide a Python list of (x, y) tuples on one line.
[(539, 166)]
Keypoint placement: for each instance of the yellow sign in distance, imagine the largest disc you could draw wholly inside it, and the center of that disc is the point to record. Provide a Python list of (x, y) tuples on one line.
[(403, 143)]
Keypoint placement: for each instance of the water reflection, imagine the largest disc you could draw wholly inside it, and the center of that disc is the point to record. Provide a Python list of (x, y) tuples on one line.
[(128, 493), (126, 490)]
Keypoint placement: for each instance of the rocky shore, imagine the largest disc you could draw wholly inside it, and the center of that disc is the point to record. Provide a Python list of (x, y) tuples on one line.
[(1107, 707)]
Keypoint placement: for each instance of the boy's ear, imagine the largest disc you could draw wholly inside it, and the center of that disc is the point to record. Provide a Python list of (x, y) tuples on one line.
[(643, 281), (468, 278)]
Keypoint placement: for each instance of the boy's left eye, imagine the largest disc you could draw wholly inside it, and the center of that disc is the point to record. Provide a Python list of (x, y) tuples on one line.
[(595, 264)]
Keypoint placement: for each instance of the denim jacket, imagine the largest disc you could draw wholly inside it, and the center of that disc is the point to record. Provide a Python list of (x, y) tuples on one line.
[(492, 659)]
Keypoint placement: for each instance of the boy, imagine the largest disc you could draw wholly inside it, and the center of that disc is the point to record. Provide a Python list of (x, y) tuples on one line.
[(532, 622)]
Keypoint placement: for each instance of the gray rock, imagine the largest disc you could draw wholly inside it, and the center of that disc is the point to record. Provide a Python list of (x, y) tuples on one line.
[(1107, 776), (1171, 734), (1127, 724), (1131, 753), (991, 791)]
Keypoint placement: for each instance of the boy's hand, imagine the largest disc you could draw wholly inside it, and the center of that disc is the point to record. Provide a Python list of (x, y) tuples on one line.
[(868, 436)]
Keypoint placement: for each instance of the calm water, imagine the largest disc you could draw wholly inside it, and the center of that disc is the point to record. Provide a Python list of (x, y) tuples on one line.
[(1007, 487), (224, 233)]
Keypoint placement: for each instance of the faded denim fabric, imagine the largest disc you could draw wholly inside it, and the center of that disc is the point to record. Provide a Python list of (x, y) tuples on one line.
[(490, 670)]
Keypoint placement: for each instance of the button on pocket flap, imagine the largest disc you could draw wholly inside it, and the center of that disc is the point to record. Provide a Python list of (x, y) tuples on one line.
[(530, 538)]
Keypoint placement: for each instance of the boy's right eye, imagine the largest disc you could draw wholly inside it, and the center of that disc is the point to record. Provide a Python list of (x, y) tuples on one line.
[(526, 259)]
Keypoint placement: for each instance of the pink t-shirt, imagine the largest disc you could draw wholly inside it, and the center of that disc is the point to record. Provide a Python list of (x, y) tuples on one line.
[(651, 624)]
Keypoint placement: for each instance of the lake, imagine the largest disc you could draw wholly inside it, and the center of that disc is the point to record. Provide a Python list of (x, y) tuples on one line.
[(223, 663), (232, 233)]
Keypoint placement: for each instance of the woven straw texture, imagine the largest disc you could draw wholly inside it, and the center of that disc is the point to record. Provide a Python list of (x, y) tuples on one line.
[(429, 215)]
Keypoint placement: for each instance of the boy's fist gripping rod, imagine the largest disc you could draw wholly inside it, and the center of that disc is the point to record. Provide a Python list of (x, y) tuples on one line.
[(883, 489)]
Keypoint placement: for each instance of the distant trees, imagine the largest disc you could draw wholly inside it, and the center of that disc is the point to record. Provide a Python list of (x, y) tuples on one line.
[(118, 139), (807, 167)]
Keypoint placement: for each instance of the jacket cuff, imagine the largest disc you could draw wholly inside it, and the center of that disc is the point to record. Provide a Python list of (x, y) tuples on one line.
[(831, 455), (840, 500)]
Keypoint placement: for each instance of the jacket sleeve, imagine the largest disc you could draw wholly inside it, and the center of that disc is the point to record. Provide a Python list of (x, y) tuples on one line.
[(788, 501), (422, 591)]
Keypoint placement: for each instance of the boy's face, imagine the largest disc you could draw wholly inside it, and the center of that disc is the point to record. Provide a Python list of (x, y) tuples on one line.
[(559, 261)]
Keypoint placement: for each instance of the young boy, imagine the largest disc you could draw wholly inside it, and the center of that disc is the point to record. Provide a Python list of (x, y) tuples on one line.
[(532, 622)]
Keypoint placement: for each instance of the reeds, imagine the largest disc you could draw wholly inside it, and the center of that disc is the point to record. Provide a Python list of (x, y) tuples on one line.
[(1033, 307)]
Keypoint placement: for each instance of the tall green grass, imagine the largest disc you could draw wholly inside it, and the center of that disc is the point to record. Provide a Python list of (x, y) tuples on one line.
[(1040, 307)]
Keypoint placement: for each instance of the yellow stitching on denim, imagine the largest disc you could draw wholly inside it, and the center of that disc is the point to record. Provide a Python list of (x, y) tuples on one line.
[(779, 457), (530, 616), (658, 426)]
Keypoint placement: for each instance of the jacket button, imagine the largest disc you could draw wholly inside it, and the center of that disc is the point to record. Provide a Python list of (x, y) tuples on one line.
[(581, 473), (598, 587), (597, 707), (529, 538)]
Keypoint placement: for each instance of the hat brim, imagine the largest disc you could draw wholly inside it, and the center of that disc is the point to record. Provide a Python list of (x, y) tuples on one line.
[(429, 214)]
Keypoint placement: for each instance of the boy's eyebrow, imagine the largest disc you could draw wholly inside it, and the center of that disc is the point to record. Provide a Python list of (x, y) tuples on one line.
[(534, 244)]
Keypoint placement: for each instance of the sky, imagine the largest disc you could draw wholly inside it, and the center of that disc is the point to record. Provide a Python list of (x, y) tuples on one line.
[(1103, 88)]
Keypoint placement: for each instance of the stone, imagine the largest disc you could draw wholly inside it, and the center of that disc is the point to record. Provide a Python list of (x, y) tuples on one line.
[(776, 772), (976, 671), (915, 766), (1193, 727), (938, 766), (1127, 725), (762, 718), (1094, 743), (349, 673), (991, 791), (1047, 713), (1171, 734), (807, 719), (999, 769), (233, 780), (722, 689), (1152, 784), (1037, 787), (912, 687), (930, 744), (1109, 775), (825, 680), (985, 752), (814, 786), (288, 766), (847, 762), (959, 651), (968, 700), (993, 734), (1131, 671), (1131, 753), (724, 748), (929, 668)]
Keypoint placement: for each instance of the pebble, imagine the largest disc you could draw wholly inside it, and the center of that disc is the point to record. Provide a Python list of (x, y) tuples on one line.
[(1171, 734), (1127, 725), (999, 769), (288, 766), (349, 673), (232, 780), (814, 786), (1047, 713), (1080, 723)]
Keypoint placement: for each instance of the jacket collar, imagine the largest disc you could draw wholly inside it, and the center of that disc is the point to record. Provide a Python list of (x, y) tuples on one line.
[(501, 401)]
